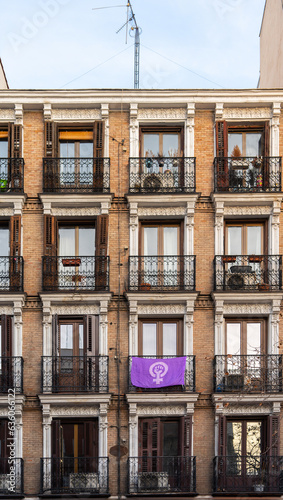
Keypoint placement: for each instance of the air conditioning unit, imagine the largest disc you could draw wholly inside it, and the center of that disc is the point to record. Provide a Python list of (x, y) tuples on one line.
[(153, 481), (238, 281), (84, 481), (152, 182), (4, 482), (234, 382)]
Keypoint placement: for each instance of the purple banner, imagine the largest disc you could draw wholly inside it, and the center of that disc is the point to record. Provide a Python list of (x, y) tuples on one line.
[(153, 373)]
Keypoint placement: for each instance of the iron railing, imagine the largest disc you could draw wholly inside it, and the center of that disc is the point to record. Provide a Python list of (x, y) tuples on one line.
[(11, 175), (248, 474), (11, 274), (162, 175), (248, 373), (75, 475), (247, 174), (162, 273), (76, 175), (74, 374), (247, 272), (11, 374), (11, 476), (161, 475), (189, 377), (75, 273)]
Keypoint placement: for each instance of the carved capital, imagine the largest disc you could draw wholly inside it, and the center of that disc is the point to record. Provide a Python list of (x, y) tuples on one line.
[(104, 111), (19, 114), (47, 111), (219, 110)]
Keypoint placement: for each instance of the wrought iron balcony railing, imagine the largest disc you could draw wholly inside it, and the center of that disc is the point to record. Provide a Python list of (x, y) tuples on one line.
[(76, 175), (247, 272), (247, 174), (11, 477), (189, 377), (74, 374), (75, 273), (11, 274), (248, 474), (77, 475), (248, 373), (162, 273), (11, 175), (11, 374), (161, 475), (162, 175)]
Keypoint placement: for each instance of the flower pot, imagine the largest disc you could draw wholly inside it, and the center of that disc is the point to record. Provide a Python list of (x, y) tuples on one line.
[(228, 258), (71, 262), (263, 286), (255, 258), (145, 286)]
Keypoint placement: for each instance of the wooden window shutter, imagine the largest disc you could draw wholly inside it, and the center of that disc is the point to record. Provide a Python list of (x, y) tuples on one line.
[(91, 439), (51, 139), (56, 440), (149, 443), (55, 336), (187, 436), (15, 140), (6, 335), (221, 139), (101, 252), (222, 436), (98, 139), (266, 149), (4, 434), (50, 235), (273, 436), (91, 334), (15, 235)]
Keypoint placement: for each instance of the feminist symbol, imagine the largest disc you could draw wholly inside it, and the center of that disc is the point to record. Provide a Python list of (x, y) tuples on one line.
[(157, 371)]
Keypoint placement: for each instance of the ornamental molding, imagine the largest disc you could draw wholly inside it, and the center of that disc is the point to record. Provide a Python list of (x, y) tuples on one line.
[(161, 211), (7, 114), (8, 310), (246, 409), (161, 309), (240, 309), (76, 114), (258, 210), (63, 411), (74, 212), (164, 113), (161, 410), (4, 412), (6, 212), (247, 113), (75, 309)]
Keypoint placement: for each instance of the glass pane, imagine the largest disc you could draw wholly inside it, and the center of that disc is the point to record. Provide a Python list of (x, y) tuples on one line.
[(170, 145), (234, 438), (150, 144), (233, 345), (86, 241), (169, 339), (170, 241), (254, 438), (170, 439), (67, 242), (4, 148), (253, 144), (4, 242), (67, 149), (66, 340), (81, 340), (149, 339), (235, 143), (150, 240), (234, 240), (86, 149), (254, 236), (253, 338)]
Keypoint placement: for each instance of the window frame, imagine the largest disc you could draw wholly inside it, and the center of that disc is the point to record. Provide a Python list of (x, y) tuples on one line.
[(159, 334), (161, 130), (244, 223), (160, 225), (243, 333)]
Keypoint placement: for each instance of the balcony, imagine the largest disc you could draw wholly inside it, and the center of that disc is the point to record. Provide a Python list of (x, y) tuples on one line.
[(189, 377), (74, 374), (75, 273), (76, 175), (153, 475), (248, 273), (162, 175), (77, 475), (11, 374), (11, 274), (247, 174), (11, 477), (11, 175), (248, 373), (162, 273), (248, 474)]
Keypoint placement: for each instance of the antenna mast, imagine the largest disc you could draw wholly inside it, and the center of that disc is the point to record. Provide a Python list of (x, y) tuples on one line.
[(137, 48)]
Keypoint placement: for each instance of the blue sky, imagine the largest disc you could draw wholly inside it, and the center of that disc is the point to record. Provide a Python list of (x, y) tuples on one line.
[(184, 43)]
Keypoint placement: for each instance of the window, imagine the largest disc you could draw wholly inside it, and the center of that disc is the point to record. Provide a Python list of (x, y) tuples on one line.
[(11, 163), (245, 337), (245, 238), (10, 259), (246, 142), (160, 338), (159, 147), (76, 153)]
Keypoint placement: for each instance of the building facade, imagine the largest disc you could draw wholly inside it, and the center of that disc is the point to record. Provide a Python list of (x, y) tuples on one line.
[(271, 45), (140, 225)]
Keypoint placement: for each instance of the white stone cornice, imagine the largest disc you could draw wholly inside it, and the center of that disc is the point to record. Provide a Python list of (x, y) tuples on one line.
[(247, 297), (246, 200), (74, 399), (76, 300), (159, 401), (247, 403), (161, 298), (175, 113), (75, 204), (151, 309), (247, 113), (78, 114)]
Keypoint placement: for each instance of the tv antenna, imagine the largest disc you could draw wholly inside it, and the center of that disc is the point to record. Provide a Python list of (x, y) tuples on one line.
[(131, 18)]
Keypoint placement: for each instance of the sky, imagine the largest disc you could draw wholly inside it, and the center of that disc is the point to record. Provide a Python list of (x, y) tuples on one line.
[(66, 44)]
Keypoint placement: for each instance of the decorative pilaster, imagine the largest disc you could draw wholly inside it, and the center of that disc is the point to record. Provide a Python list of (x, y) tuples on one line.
[(219, 347), (18, 114), (18, 326), (133, 229), (103, 426), (133, 328), (46, 424), (274, 227), (189, 231), (47, 329), (19, 430), (134, 131), (188, 337), (103, 327), (133, 430), (219, 224), (105, 117), (190, 124), (273, 347), (274, 147)]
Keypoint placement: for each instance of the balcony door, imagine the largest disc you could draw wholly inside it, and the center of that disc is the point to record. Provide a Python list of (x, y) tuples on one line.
[(4, 154), (76, 157), (159, 338), (161, 249), (160, 147), (4, 257)]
